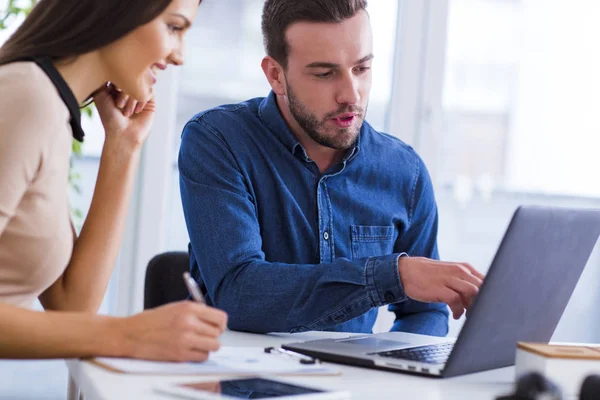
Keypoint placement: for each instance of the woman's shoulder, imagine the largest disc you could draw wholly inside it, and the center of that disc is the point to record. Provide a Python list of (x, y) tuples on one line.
[(24, 84), (28, 97)]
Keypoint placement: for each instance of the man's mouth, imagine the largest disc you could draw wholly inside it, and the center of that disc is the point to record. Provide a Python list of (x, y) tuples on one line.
[(345, 120)]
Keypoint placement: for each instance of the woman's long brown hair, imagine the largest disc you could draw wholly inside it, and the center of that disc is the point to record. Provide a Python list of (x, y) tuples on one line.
[(61, 29)]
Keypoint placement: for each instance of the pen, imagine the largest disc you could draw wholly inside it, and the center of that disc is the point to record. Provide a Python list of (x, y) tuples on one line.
[(304, 359), (193, 288)]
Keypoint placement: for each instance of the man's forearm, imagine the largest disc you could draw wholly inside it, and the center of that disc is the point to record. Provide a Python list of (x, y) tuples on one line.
[(275, 297)]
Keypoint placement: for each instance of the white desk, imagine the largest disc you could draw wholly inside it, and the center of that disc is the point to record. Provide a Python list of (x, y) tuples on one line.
[(96, 383)]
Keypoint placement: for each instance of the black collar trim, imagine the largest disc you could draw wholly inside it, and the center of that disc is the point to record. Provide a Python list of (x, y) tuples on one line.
[(65, 93)]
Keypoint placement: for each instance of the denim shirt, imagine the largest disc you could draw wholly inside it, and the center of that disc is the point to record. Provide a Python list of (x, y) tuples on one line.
[(282, 247)]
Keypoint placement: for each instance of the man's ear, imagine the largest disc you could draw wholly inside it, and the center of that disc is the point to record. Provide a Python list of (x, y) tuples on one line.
[(274, 73)]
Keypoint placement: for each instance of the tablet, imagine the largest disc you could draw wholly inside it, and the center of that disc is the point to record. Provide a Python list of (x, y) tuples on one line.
[(249, 388)]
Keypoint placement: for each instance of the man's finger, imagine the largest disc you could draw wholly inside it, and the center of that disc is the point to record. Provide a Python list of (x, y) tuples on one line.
[(466, 290), (454, 301), (473, 271), (469, 277)]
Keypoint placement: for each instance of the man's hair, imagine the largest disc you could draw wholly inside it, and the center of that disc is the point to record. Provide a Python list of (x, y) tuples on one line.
[(278, 15)]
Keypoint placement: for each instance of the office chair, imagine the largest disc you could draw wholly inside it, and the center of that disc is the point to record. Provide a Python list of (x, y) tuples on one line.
[(164, 279)]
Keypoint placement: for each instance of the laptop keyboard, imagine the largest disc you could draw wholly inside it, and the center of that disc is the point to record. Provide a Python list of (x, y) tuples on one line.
[(430, 354)]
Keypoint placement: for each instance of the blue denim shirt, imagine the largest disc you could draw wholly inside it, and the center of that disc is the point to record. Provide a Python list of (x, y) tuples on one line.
[(282, 247)]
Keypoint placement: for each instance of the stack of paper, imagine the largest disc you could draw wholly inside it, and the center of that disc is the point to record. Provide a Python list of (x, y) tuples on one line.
[(227, 361)]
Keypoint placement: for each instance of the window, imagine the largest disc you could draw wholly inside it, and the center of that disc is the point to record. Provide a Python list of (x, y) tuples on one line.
[(519, 125), (520, 97)]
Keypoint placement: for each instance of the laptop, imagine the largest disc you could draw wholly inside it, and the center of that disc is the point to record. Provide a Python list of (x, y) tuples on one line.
[(523, 296)]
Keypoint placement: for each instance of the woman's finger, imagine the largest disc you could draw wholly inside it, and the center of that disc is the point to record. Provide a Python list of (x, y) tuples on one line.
[(197, 355), (129, 107), (139, 107), (121, 99), (150, 106), (202, 328), (210, 315), (104, 102), (203, 343)]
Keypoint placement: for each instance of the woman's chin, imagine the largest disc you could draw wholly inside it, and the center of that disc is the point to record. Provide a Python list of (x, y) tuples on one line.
[(145, 93), (142, 94)]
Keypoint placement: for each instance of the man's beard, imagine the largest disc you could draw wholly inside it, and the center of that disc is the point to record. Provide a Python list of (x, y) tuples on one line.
[(342, 139)]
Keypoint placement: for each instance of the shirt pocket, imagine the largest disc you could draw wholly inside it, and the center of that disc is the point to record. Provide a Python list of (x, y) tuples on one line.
[(372, 241)]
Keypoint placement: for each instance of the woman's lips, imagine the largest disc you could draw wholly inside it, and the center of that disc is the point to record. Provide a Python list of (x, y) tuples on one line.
[(153, 76)]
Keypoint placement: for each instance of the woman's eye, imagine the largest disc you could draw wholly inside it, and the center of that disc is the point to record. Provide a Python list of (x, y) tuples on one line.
[(175, 28)]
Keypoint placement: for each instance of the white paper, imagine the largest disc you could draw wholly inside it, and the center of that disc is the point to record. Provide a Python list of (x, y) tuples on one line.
[(228, 360)]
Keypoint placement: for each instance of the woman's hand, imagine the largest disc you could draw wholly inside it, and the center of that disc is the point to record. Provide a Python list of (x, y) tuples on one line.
[(124, 118), (182, 331)]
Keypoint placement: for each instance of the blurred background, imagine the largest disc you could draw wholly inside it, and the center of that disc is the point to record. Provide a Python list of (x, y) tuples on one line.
[(500, 97)]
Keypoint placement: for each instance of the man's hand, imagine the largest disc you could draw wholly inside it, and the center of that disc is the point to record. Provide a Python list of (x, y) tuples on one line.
[(455, 284)]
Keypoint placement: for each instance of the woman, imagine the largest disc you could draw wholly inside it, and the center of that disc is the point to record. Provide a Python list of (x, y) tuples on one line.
[(65, 51)]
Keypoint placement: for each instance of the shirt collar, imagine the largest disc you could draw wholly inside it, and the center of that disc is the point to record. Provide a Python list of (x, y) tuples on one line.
[(270, 115), (65, 93), (353, 152)]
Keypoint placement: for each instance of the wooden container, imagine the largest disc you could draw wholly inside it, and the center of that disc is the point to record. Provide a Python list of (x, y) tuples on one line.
[(565, 365)]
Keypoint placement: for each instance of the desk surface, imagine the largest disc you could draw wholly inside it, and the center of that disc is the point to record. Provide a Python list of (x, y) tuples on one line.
[(96, 383)]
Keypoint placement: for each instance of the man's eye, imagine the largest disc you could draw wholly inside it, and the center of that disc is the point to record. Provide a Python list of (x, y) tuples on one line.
[(363, 69), (324, 75)]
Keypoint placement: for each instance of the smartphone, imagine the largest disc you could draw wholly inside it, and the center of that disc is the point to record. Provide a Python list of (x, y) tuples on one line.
[(249, 388)]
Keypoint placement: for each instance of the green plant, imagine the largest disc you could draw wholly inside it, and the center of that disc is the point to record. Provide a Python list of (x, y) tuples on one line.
[(14, 10)]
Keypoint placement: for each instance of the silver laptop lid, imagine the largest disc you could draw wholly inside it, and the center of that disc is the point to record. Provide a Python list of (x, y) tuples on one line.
[(528, 286)]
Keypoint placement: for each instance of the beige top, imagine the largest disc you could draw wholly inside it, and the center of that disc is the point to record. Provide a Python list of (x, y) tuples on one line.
[(36, 234)]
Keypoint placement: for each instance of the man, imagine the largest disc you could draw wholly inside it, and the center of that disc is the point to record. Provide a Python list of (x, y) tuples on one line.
[(298, 210)]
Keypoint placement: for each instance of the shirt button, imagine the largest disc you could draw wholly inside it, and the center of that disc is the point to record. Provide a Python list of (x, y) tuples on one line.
[(389, 297), (326, 236)]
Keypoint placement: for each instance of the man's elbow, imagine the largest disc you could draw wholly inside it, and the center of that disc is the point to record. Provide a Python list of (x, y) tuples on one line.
[(240, 318), (250, 318)]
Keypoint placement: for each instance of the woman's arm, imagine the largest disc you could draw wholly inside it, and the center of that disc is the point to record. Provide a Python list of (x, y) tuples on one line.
[(32, 334), (84, 282), (183, 331)]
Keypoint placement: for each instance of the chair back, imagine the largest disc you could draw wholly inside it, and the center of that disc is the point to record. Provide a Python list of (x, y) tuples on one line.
[(164, 279)]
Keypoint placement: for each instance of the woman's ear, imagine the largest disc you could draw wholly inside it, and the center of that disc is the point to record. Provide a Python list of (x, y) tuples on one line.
[(274, 73)]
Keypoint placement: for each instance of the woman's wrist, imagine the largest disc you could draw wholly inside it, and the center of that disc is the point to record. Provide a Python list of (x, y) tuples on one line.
[(120, 150), (120, 341), (115, 142)]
